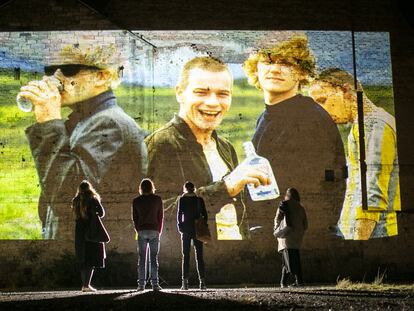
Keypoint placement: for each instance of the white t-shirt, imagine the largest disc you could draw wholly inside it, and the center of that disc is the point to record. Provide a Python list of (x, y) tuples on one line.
[(218, 167), (226, 219)]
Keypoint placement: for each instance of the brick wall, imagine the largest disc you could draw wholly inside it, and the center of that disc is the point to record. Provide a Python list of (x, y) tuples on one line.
[(324, 257)]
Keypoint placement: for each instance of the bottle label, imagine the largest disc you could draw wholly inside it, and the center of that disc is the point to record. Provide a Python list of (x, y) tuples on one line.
[(267, 192), (262, 192)]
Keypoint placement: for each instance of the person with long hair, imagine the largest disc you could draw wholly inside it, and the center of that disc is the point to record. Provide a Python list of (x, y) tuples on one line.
[(190, 208), (290, 226), (148, 216), (90, 255)]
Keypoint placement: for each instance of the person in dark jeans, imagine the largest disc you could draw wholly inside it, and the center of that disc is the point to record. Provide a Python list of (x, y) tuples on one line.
[(148, 215), (190, 208), (290, 226), (89, 255)]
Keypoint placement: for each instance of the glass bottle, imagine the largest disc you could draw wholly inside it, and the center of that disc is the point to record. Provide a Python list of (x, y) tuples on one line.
[(262, 192)]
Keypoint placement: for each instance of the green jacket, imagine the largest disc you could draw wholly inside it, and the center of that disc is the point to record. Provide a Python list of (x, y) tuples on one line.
[(175, 156)]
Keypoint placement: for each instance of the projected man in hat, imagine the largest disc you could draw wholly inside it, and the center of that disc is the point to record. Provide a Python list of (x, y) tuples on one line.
[(98, 141)]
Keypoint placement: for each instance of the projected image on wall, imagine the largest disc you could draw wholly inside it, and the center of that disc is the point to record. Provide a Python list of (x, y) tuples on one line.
[(334, 90), (243, 115)]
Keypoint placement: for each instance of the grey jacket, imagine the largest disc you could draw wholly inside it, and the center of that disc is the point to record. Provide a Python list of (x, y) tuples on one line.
[(290, 225), (99, 142)]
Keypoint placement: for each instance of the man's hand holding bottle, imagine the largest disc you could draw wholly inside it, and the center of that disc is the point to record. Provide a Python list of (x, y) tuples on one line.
[(242, 175), (256, 173)]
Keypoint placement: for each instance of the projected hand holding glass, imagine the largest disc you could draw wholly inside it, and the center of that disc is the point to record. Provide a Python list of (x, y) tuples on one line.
[(43, 97)]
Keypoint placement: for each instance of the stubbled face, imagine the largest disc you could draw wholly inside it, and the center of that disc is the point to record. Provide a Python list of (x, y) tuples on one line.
[(277, 77), (206, 99), (333, 100), (77, 88)]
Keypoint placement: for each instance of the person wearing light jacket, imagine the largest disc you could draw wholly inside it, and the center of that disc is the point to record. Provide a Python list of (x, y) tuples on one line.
[(290, 226)]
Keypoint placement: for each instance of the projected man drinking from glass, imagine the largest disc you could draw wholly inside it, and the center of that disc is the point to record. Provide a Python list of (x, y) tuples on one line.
[(189, 148), (98, 142)]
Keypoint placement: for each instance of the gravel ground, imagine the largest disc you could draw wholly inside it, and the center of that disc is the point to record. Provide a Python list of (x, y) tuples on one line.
[(317, 298)]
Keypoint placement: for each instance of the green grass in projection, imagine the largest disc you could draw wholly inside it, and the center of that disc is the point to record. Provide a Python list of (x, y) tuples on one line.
[(18, 179), (153, 112), (151, 109)]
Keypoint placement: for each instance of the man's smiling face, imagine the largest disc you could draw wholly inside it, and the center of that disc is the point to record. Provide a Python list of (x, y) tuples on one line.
[(206, 98)]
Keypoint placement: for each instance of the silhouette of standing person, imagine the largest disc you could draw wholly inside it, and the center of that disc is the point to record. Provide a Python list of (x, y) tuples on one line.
[(290, 226), (89, 255), (190, 208), (148, 217)]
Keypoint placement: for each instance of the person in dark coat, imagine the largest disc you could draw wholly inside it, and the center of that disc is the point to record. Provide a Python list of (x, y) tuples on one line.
[(290, 226), (148, 217), (89, 255), (190, 208), (98, 142)]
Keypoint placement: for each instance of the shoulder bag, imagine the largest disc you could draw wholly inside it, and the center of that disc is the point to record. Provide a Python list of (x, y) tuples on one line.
[(96, 232), (201, 227)]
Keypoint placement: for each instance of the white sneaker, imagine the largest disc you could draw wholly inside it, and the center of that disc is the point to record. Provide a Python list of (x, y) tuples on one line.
[(89, 289)]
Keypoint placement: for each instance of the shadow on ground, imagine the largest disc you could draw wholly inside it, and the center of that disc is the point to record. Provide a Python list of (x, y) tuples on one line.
[(264, 298), (129, 301)]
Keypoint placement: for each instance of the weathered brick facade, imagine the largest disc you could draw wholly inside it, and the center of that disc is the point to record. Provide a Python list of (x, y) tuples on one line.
[(324, 257)]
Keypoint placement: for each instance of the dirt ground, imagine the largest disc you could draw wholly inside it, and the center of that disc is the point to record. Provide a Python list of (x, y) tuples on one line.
[(269, 298)]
